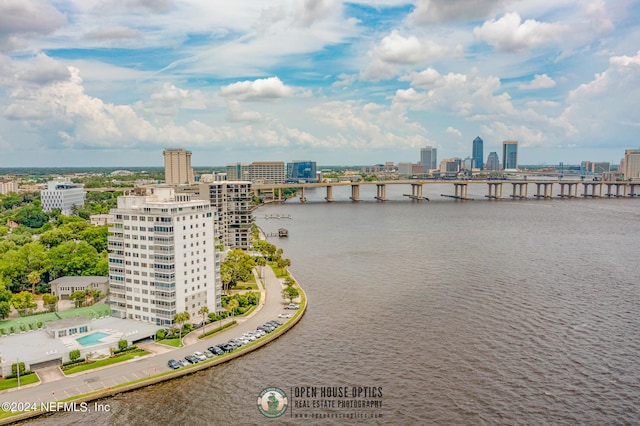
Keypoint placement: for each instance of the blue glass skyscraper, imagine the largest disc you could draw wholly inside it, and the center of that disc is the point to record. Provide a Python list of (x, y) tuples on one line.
[(477, 154)]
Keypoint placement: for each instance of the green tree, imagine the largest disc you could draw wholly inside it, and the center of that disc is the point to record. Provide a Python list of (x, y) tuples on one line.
[(78, 297), (261, 262), (123, 344), (180, 318), (5, 298), (232, 305), (74, 355), (50, 302), (34, 278), (237, 266), (204, 311), (31, 216), (96, 236), (290, 293), (73, 258), (24, 303)]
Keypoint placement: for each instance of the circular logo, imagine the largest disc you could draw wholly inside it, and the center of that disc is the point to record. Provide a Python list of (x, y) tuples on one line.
[(272, 402)]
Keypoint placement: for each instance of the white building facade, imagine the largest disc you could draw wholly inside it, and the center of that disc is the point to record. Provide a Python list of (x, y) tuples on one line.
[(62, 195), (162, 258)]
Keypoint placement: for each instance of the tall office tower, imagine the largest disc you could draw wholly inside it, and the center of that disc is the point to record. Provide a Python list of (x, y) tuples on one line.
[(62, 195), (510, 155), (632, 164), (162, 257), (231, 202), (429, 158), (177, 166), (477, 154), (302, 171), (492, 161)]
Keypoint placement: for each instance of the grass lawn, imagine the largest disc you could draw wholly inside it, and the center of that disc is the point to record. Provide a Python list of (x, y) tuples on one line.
[(13, 383), (170, 342), (280, 272), (107, 361)]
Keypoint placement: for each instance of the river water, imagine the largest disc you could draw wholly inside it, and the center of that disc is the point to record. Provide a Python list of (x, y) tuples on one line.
[(445, 312)]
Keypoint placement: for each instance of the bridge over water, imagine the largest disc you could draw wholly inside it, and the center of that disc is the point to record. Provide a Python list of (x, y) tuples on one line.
[(496, 189)]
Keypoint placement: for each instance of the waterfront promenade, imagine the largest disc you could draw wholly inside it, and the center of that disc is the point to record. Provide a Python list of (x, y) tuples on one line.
[(110, 380)]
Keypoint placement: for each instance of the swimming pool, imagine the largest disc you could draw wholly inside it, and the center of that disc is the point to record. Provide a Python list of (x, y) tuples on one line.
[(91, 339)]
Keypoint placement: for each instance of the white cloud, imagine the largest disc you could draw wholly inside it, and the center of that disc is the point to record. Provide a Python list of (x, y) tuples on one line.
[(540, 81), (117, 34), (607, 105), (311, 11), (435, 11), (264, 89), (453, 131), (24, 19), (43, 70), (510, 34), (395, 51)]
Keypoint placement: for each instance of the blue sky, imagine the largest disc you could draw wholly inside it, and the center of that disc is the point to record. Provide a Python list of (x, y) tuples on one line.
[(114, 82)]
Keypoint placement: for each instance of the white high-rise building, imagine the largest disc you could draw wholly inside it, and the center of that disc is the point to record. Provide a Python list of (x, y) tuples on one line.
[(162, 257), (62, 195)]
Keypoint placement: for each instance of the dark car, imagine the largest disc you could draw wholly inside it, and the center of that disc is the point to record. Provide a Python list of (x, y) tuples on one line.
[(192, 359), (173, 364), (275, 322), (216, 350), (266, 328)]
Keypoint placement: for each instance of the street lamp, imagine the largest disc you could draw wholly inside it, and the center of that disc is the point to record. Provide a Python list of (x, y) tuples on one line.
[(18, 370)]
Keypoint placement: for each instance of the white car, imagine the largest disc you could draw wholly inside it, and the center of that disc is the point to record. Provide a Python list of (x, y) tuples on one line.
[(200, 356), (285, 316), (292, 306)]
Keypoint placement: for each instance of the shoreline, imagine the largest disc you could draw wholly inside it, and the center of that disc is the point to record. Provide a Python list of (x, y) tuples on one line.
[(170, 375)]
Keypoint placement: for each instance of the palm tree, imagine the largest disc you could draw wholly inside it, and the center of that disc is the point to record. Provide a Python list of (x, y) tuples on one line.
[(203, 311), (232, 305), (181, 318), (261, 262)]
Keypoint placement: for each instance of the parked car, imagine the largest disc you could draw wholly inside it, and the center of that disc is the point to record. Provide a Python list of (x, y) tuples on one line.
[(285, 316), (216, 350), (192, 359), (200, 356), (183, 362), (276, 322), (173, 364), (292, 306), (208, 353)]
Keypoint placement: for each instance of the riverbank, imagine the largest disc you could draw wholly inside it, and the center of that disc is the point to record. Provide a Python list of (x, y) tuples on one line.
[(79, 400)]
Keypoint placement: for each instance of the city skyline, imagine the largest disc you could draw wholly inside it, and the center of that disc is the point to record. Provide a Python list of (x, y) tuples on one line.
[(105, 83)]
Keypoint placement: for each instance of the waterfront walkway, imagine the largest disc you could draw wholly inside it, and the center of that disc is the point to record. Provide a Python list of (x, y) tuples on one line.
[(271, 305)]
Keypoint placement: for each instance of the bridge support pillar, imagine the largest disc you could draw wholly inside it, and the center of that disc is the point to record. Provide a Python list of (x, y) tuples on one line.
[(632, 190), (381, 192), (494, 187), (522, 190), (355, 192), (329, 196), (303, 199)]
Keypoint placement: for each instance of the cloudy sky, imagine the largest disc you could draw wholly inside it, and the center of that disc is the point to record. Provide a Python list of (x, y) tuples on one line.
[(113, 82)]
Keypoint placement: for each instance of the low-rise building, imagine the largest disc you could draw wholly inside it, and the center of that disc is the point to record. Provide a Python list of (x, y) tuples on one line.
[(63, 287), (63, 195)]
